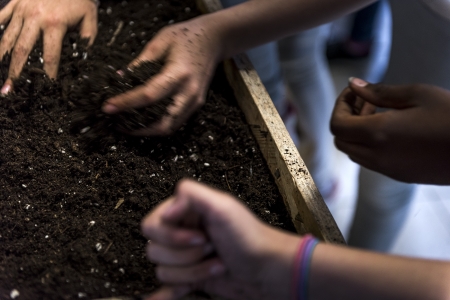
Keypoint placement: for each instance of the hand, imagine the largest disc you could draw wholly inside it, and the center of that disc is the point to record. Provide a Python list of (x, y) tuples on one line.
[(190, 51), (408, 142), (28, 18), (251, 260)]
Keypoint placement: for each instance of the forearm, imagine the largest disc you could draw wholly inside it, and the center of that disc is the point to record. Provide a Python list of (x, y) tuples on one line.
[(256, 22), (342, 273)]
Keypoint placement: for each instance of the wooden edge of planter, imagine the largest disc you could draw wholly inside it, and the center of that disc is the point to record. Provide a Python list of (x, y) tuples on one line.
[(308, 211)]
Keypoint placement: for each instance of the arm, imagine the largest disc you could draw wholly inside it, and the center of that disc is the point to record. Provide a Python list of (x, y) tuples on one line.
[(343, 273), (408, 142), (255, 261), (191, 51), (240, 27)]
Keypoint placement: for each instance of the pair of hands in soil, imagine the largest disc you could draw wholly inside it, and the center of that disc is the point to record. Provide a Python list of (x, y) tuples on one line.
[(407, 143)]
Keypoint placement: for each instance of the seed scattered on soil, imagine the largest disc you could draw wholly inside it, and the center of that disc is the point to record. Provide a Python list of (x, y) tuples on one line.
[(85, 129), (14, 294), (119, 203)]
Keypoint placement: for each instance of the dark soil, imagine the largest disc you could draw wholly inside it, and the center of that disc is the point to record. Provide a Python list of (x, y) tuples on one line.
[(70, 214), (99, 130)]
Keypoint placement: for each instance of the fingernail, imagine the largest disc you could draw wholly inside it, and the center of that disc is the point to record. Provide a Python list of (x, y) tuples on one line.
[(197, 240), (5, 89), (110, 109), (357, 81), (217, 269)]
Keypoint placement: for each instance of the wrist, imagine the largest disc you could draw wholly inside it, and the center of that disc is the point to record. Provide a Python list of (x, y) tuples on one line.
[(278, 261), (221, 29), (302, 267)]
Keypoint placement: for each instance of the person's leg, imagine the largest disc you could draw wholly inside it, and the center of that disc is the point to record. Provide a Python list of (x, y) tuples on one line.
[(382, 208), (378, 59), (307, 76), (420, 44), (266, 62)]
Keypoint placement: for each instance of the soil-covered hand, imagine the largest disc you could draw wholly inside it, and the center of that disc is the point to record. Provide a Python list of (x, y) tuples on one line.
[(190, 52), (203, 239), (409, 142), (27, 19)]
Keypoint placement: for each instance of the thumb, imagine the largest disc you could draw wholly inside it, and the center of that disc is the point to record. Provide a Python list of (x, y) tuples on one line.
[(180, 212), (196, 205), (383, 95), (187, 207)]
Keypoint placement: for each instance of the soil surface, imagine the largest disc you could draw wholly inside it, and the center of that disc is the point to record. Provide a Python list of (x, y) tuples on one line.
[(70, 214)]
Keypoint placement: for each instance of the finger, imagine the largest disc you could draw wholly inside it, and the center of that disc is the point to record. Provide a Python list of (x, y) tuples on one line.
[(10, 35), (231, 288), (358, 105), (345, 125), (184, 275), (7, 12), (171, 236), (88, 26), (154, 228), (7, 87), (158, 87), (154, 50), (382, 95), (183, 204), (168, 256), (53, 38), (170, 292), (178, 114), (192, 197), (357, 153), (368, 109), (25, 43)]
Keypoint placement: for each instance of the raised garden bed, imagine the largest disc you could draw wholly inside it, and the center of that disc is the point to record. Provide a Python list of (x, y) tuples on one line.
[(69, 217)]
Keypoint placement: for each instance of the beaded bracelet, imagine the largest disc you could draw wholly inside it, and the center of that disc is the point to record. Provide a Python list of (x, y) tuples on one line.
[(301, 267)]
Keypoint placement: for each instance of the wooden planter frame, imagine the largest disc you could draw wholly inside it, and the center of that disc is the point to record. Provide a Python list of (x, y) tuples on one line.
[(306, 207)]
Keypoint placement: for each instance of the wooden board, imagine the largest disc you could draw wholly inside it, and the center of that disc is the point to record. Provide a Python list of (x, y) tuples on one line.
[(303, 201)]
